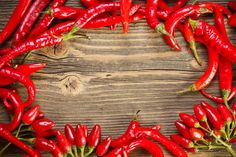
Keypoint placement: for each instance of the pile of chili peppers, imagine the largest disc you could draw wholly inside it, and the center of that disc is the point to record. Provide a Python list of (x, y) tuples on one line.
[(208, 128), (29, 130)]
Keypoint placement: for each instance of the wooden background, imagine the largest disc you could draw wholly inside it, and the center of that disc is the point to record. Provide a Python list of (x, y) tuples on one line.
[(107, 79)]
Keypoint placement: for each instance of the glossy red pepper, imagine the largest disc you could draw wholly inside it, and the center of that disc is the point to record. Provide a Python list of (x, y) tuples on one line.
[(65, 12), (28, 20), (26, 81), (117, 152), (232, 5), (63, 143), (179, 4), (184, 142), (189, 120), (147, 145), (18, 107), (14, 20), (168, 144), (6, 134), (225, 113), (103, 147), (94, 138), (42, 125), (183, 129), (81, 138), (219, 99), (56, 151), (213, 116), (196, 134), (45, 21), (200, 113), (30, 115), (125, 6), (85, 131), (232, 21), (128, 136), (70, 134), (161, 4), (42, 144)]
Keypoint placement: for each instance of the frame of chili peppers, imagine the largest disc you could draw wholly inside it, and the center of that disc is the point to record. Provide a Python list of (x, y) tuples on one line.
[(209, 127)]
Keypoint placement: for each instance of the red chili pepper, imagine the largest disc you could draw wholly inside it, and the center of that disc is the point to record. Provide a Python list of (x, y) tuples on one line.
[(213, 116), (29, 19), (85, 130), (6, 134), (80, 138), (117, 152), (184, 142), (233, 140), (30, 115), (147, 145), (5, 50), (189, 37), (212, 37), (56, 151), (46, 20), (41, 115), (183, 129), (26, 81), (14, 19), (65, 12), (42, 144), (18, 106), (232, 5), (63, 143), (128, 136), (232, 21), (220, 99), (200, 113), (152, 20), (70, 134), (196, 134), (178, 5), (94, 138), (42, 125), (168, 144), (189, 120), (161, 4), (103, 147), (225, 113), (125, 6), (89, 3)]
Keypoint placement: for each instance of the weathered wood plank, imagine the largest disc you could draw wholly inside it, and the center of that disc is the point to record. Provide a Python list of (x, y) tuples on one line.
[(108, 78)]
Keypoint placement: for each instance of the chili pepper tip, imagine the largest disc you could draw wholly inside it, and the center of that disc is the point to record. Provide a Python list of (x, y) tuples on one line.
[(225, 95), (136, 116), (191, 88), (192, 45)]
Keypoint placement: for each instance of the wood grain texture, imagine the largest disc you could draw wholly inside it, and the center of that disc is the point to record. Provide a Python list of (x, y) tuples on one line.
[(107, 79)]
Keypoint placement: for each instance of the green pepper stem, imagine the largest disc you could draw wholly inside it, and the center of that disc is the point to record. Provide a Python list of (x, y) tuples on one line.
[(192, 45), (91, 149)]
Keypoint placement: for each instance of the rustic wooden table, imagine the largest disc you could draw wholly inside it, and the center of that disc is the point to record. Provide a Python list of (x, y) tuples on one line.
[(107, 79)]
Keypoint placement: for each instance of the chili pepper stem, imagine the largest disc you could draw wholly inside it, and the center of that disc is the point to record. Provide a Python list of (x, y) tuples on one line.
[(225, 95), (26, 56), (192, 45), (228, 129), (90, 150), (191, 88), (161, 28), (82, 151), (74, 149), (193, 23)]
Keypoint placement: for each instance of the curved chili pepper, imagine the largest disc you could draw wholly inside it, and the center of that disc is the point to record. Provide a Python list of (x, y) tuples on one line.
[(30, 115), (117, 152), (232, 5), (128, 136), (65, 12), (212, 37), (56, 151), (46, 20), (5, 50), (63, 143), (213, 116), (219, 99), (184, 142), (161, 4), (42, 125), (209, 73), (91, 13), (189, 120), (160, 13), (70, 134), (93, 138), (225, 113), (42, 144), (103, 147), (14, 20), (183, 129), (89, 3), (189, 37), (147, 145), (26, 81), (178, 5), (18, 105), (152, 20), (168, 144), (29, 19), (200, 113), (196, 134), (6, 134)]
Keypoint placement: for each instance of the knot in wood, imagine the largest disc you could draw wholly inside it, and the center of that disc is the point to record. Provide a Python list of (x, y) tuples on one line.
[(56, 51), (71, 85)]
